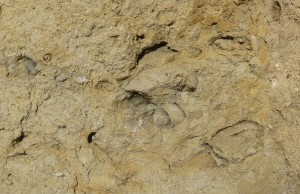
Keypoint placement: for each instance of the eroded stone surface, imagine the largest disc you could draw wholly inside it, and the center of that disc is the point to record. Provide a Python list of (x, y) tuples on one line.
[(87, 91)]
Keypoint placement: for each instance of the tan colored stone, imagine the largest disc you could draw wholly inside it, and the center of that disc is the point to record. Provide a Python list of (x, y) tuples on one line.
[(149, 96)]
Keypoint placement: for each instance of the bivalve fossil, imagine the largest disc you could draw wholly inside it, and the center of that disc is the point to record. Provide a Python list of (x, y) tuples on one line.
[(161, 118), (168, 115)]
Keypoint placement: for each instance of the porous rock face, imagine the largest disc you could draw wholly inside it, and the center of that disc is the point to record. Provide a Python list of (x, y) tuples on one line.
[(185, 96)]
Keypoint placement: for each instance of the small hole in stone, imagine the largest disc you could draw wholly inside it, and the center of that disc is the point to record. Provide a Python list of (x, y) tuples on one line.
[(140, 37), (149, 49), (171, 49), (91, 137), (19, 139)]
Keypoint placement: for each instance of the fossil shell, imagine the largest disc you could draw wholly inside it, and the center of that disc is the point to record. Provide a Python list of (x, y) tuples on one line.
[(161, 117), (168, 115), (175, 112)]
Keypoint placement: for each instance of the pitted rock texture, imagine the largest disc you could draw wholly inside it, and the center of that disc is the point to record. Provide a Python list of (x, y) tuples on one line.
[(198, 96)]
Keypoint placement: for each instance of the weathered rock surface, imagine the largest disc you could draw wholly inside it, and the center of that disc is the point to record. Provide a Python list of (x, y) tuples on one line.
[(198, 96)]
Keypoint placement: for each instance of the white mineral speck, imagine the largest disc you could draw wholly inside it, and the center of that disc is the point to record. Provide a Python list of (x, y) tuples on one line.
[(59, 174)]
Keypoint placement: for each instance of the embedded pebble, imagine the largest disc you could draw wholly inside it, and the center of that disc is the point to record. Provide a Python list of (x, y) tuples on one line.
[(31, 66), (80, 79), (191, 82), (60, 174)]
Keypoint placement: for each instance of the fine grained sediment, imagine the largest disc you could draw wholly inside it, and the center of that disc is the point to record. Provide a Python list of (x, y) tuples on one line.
[(150, 96)]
